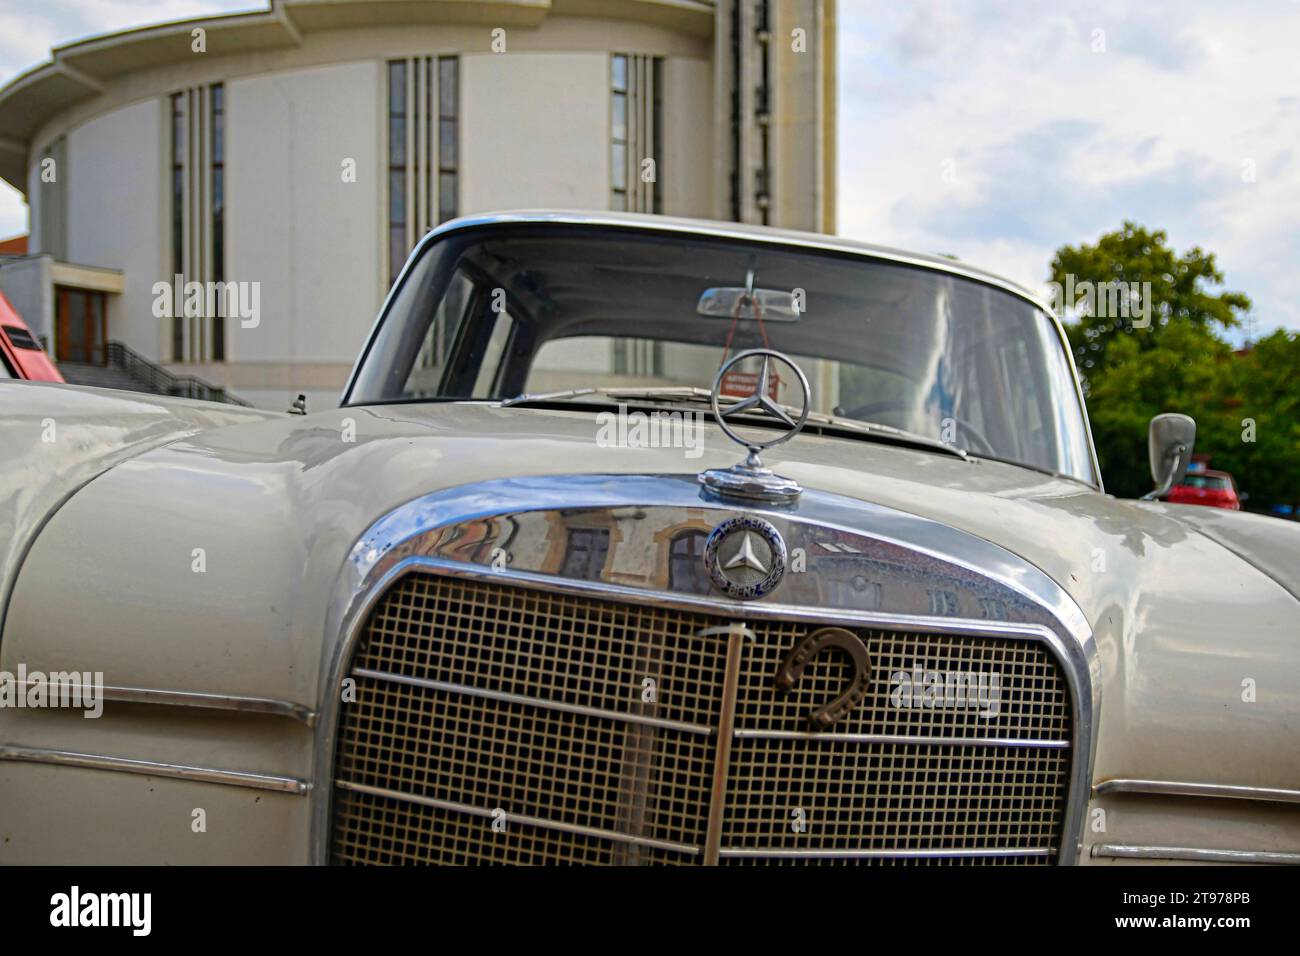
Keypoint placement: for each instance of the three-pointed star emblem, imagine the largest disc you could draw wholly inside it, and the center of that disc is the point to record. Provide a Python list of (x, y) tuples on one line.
[(762, 398), (745, 556)]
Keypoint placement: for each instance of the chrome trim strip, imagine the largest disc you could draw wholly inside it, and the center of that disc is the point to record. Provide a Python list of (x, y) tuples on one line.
[(366, 576), (184, 698), (703, 729), (231, 702), (1179, 789), (521, 818), (905, 739), (804, 240), (469, 691), (726, 737), (234, 778), (1193, 854), (922, 536), (887, 854)]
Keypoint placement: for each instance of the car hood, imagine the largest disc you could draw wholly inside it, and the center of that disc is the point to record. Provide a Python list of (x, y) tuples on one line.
[(210, 562)]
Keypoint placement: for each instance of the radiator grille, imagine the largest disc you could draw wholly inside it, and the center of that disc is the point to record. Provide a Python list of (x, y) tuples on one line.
[(495, 723)]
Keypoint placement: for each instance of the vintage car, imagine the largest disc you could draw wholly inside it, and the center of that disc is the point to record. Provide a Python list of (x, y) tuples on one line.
[(638, 540)]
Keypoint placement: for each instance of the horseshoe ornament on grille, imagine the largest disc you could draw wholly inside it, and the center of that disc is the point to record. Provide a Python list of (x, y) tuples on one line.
[(802, 654)]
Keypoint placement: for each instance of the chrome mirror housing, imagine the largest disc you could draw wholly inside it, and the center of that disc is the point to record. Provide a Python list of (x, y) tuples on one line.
[(1170, 440)]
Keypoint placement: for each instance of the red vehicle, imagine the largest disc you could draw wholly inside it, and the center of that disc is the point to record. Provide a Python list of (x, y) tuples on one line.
[(21, 356), (1213, 488)]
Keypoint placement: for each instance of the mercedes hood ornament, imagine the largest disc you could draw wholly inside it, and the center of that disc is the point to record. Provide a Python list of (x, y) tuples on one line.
[(751, 479)]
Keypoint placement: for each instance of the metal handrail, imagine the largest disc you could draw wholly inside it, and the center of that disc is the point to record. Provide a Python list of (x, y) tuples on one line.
[(157, 379)]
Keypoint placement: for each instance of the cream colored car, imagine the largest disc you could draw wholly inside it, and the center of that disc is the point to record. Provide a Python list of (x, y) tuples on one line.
[(638, 540)]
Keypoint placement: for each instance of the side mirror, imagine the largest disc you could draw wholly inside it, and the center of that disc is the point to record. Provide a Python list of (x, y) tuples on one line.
[(1170, 441)]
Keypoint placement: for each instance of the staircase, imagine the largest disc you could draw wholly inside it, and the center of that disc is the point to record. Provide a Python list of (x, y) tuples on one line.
[(97, 376), (129, 370)]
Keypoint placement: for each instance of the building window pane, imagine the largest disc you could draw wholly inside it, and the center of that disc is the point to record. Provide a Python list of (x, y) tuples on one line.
[(448, 88), (397, 139), (657, 133), (619, 113), (397, 198), (218, 195), (446, 196), (447, 159), (618, 130), (585, 553), (430, 180), (397, 248), (218, 127), (397, 87), (618, 165), (178, 183), (180, 138), (448, 137)]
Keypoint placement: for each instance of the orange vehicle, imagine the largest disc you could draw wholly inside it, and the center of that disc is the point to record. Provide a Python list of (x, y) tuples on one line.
[(21, 355)]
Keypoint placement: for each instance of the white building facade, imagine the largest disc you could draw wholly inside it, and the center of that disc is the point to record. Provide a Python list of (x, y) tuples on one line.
[(290, 159)]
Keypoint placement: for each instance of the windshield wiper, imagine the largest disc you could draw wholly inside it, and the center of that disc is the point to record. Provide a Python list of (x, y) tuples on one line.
[(678, 392), (694, 393)]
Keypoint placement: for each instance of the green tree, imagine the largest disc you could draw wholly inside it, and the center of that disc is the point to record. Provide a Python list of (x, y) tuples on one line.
[(1246, 405), (1259, 440), (1178, 290)]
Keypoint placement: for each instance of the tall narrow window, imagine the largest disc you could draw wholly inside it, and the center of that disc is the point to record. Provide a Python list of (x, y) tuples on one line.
[(180, 143), (198, 216), (423, 150), (217, 117), (397, 126), (635, 132), (618, 132), (448, 137), (657, 133)]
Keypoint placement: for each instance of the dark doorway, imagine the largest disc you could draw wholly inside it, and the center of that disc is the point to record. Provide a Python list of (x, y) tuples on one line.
[(80, 320)]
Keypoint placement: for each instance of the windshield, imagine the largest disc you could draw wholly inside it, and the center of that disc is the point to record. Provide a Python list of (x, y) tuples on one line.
[(532, 308)]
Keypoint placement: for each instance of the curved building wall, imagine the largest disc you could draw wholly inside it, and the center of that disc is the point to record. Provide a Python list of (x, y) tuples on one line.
[(306, 156)]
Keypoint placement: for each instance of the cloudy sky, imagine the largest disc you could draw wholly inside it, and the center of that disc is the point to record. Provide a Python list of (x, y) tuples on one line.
[(998, 131)]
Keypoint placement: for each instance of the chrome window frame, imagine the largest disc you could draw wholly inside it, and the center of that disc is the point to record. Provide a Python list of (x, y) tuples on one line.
[(373, 567), (735, 231)]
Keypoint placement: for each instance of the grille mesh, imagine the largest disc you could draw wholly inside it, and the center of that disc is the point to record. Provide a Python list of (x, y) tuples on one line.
[(476, 699)]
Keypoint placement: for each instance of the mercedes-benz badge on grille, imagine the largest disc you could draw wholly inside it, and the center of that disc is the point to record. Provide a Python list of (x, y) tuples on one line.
[(745, 557)]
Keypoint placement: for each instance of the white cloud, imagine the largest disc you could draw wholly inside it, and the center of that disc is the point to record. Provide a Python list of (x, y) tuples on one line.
[(1054, 143), (13, 213)]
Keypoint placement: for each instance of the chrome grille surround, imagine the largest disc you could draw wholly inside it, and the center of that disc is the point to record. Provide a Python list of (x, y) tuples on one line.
[(434, 542)]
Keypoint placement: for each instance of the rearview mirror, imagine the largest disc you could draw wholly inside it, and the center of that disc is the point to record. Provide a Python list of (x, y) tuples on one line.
[(1170, 440), (727, 302)]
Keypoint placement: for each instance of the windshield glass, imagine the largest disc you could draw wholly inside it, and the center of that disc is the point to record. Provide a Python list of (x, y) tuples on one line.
[(495, 312)]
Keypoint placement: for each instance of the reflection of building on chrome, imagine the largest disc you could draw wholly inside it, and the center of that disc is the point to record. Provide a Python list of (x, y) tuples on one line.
[(619, 546), (309, 146)]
